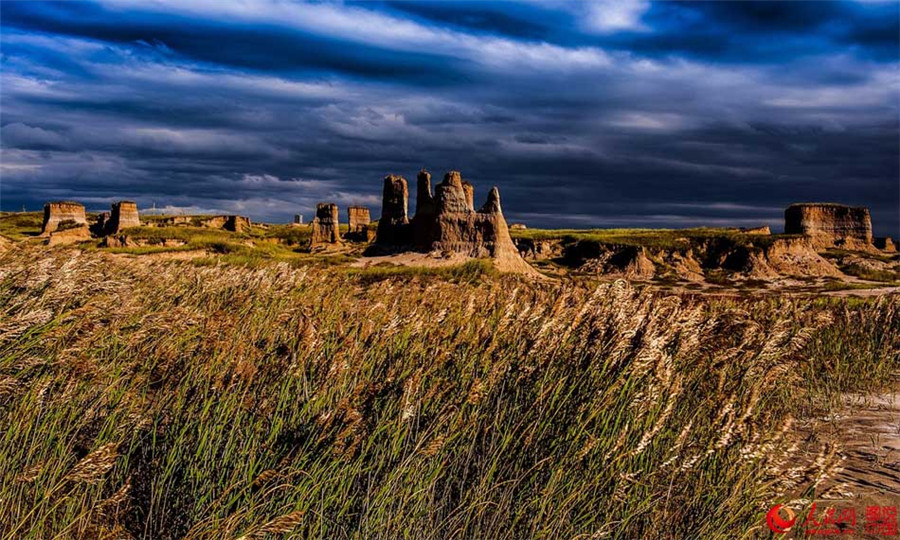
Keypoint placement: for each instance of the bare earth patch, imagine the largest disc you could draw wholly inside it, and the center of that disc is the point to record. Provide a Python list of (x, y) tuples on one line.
[(427, 260), (868, 433)]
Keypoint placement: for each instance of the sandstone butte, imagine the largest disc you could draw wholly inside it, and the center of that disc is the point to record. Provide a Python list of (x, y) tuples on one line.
[(57, 212), (447, 221), (325, 228), (830, 225), (124, 214), (358, 219)]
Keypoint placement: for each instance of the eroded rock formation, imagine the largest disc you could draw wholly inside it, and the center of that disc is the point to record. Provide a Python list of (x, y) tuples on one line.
[(124, 214), (99, 227), (58, 212), (886, 244), (69, 234), (325, 227), (447, 221), (830, 225), (358, 220), (236, 223), (392, 226)]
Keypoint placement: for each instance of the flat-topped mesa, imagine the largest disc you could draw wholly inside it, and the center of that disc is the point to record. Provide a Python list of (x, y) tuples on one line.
[(124, 214), (325, 227), (57, 212), (393, 226), (830, 225)]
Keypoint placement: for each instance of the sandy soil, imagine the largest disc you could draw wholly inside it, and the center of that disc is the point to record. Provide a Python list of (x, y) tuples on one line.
[(429, 260), (868, 434)]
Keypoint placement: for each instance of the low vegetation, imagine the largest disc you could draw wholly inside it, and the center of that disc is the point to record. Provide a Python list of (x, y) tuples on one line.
[(651, 238), (170, 399)]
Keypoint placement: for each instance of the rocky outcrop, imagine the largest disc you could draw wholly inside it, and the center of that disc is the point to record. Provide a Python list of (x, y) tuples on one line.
[(358, 220), (885, 244), (58, 212), (176, 221), (830, 225), (756, 230), (325, 228), (69, 234), (517, 227), (229, 223), (539, 250), (798, 257), (392, 226), (630, 262), (236, 223), (124, 214), (99, 227), (448, 222)]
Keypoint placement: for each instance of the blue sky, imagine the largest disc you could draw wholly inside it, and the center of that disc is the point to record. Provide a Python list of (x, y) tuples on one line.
[(601, 114)]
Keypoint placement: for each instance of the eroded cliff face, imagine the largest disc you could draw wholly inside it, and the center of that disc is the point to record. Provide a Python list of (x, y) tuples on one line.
[(447, 221), (58, 212), (830, 225), (755, 257)]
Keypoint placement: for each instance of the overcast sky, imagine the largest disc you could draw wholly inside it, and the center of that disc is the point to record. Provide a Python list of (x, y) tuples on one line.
[(604, 114)]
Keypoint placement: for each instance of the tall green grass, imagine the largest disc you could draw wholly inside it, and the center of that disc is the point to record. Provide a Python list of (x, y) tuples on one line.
[(163, 399)]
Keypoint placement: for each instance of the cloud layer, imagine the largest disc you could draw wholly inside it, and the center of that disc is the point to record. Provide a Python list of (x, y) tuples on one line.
[(585, 114)]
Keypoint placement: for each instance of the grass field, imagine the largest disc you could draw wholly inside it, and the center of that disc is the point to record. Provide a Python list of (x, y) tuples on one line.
[(175, 399)]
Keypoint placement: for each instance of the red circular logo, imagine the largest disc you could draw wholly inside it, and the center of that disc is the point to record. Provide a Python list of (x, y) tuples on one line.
[(776, 523)]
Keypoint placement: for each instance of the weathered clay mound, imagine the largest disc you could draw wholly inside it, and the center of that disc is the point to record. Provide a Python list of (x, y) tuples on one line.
[(630, 262), (684, 265), (325, 228), (539, 250), (59, 211), (830, 225), (798, 257), (447, 222)]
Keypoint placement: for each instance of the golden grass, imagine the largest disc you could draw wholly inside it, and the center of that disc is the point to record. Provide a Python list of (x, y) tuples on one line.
[(165, 399)]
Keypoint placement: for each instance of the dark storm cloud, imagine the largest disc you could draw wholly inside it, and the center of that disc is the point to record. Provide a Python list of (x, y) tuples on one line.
[(585, 114)]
